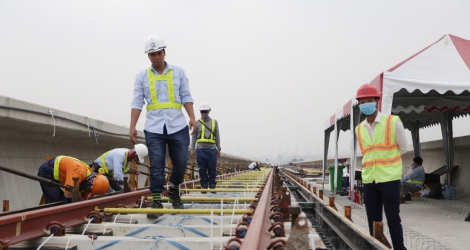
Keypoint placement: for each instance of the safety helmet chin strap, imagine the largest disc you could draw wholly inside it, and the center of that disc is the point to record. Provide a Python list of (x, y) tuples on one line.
[(131, 154), (87, 180)]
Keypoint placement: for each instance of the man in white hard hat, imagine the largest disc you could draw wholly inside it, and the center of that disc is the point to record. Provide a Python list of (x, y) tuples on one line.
[(115, 163), (254, 165), (208, 146), (165, 89)]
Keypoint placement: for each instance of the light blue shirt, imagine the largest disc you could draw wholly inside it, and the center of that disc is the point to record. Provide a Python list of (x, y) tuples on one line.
[(252, 165), (416, 174), (156, 119), (114, 160)]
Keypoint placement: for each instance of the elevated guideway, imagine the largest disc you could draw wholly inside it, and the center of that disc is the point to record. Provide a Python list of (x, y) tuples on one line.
[(29, 133)]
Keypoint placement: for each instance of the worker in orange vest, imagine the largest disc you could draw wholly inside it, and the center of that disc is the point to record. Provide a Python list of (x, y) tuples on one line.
[(62, 169)]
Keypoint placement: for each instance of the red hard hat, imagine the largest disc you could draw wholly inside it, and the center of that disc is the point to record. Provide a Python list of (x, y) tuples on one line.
[(367, 90)]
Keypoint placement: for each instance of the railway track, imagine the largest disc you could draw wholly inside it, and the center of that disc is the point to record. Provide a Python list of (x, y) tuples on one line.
[(267, 209)]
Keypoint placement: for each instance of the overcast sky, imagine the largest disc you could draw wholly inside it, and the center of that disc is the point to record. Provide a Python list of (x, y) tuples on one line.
[(273, 71)]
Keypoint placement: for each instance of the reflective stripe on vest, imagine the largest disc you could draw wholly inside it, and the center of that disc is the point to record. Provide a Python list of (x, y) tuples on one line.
[(203, 135), (153, 91), (418, 182), (381, 156), (105, 167), (57, 168)]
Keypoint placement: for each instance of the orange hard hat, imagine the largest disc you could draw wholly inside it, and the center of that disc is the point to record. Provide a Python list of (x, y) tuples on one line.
[(100, 185), (367, 90)]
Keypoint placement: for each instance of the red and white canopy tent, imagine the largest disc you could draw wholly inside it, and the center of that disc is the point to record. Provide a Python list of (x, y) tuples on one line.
[(431, 87)]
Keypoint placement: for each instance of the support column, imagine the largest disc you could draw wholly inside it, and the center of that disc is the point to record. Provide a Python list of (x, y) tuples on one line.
[(414, 128), (338, 125), (354, 121), (448, 140)]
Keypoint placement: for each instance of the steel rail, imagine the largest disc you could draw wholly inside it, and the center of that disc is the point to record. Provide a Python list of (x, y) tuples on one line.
[(32, 224), (27, 225), (344, 230), (257, 236)]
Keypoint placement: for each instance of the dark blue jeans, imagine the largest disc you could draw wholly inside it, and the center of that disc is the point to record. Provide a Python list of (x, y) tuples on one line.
[(207, 163), (178, 144), (52, 193), (114, 186), (386, 195)]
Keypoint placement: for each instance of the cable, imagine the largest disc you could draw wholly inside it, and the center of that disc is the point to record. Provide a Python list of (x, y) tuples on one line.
[(53, 121)]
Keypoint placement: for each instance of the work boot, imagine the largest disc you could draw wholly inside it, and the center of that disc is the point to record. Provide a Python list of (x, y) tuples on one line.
[(402, 200), (408, 197), (203, 191), (468, 218), (175, 198), (213, 188), (155, 204)]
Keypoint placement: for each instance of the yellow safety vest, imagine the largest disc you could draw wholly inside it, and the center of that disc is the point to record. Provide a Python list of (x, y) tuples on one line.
[(202, 137), (57, 167), (419, 182), (124, 165), (153, 92), (381, 156)]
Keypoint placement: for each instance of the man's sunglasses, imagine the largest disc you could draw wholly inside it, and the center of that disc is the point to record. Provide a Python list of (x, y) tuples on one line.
[(204, 111)]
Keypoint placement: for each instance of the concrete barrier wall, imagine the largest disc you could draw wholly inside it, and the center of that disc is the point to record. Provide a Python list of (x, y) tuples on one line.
[(26, 156)]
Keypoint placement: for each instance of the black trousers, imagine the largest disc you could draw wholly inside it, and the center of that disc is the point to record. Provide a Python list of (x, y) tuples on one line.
[(52, 193), (386, 195)]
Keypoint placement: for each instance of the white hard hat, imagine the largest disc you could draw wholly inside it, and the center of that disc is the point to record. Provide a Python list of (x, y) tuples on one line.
[(153, 44), (204, 106), (141, 151)]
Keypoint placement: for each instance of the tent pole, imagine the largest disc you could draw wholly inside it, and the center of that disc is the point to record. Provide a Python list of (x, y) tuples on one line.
[(447, 139), (325, 155), (415, 138), (337, 130)]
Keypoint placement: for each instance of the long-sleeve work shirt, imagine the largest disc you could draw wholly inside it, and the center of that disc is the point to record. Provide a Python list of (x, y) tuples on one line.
[(114, 162), (173, 119), (207, 134), (416, 174)]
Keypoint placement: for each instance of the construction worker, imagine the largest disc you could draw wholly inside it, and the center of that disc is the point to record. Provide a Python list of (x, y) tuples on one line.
[(412, 182), (208, 146), (62, 169), (254, 165), (115, 163), (382, 140), (165, 89)]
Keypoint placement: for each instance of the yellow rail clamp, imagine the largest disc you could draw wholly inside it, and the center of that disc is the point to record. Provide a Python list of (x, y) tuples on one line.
[(221, 190), (169, 211), (230, 181), (209, 199), (242, 185)]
